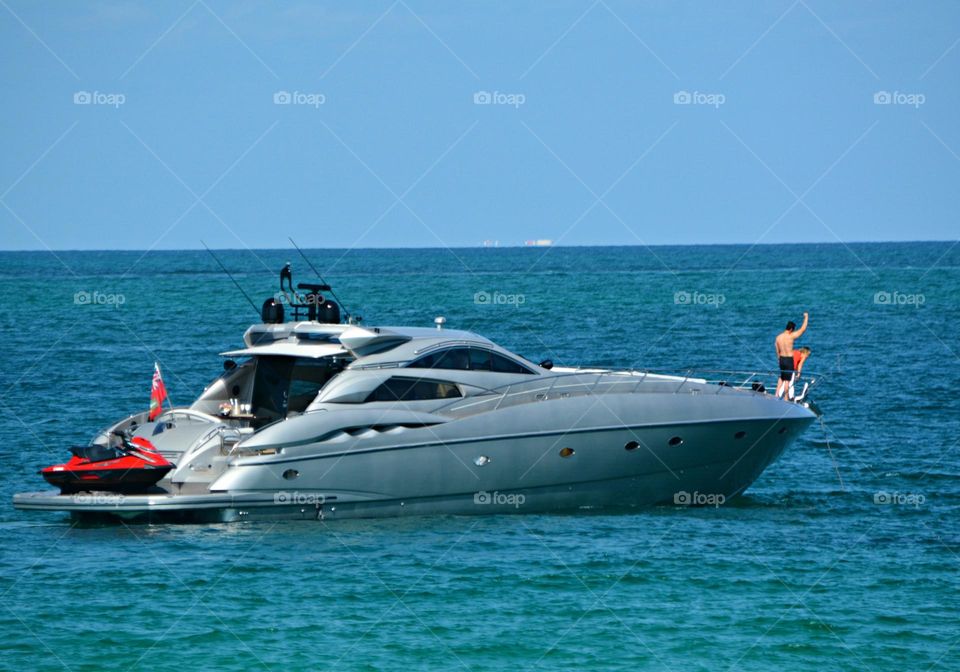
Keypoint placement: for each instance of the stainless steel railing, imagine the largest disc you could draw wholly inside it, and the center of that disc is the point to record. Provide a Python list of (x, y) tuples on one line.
[(610, 381)]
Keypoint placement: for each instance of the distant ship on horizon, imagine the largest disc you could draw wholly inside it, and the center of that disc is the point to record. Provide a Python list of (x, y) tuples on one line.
[(540, 242)]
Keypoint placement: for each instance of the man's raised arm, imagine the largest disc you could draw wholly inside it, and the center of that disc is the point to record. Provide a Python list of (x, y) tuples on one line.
[(803, 327)]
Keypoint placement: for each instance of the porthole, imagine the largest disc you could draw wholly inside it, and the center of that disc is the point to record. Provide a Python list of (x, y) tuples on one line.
[(566, 452), (631, 446), (675, 441), (783, 430), (291, 474), (740, 434)]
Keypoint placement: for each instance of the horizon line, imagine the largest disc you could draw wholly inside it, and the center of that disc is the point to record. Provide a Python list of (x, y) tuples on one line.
[(486, 247)]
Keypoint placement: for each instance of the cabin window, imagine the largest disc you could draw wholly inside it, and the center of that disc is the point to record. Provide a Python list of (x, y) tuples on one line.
[(480, 360), (414, 389), (457, 359), (469, 359), (504, 365)]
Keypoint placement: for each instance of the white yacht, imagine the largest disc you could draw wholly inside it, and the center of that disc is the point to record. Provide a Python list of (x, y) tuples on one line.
[(325, 420)]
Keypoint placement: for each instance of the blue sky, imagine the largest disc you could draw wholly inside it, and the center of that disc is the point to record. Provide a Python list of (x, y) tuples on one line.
[(607, 123)]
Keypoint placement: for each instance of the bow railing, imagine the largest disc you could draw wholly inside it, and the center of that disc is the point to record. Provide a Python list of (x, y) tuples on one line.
[(585, 382)]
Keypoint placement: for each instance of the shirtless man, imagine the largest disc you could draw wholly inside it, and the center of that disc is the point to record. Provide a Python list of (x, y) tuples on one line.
[(785, 353)]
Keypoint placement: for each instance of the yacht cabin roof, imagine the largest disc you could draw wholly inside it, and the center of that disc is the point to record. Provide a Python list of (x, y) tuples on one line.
[(287, 349)]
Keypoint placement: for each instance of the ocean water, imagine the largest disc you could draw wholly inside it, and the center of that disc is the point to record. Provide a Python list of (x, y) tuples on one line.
[(845, 554)]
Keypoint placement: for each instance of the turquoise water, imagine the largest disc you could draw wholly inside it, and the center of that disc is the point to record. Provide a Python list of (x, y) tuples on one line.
[(803, 572)]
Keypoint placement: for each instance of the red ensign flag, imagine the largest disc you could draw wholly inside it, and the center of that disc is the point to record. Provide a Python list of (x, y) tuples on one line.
[(158, 393)]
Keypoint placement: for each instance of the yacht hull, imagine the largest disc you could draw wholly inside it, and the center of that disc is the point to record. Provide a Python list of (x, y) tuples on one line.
[(521, 475)]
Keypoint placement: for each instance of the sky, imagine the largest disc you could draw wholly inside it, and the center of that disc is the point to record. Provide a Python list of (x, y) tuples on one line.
[(143, 125)]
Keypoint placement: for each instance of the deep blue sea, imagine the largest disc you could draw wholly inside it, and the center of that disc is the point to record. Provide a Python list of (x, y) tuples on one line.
[(845, 554)]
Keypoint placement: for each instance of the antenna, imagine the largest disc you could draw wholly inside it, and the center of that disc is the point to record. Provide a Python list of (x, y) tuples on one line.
[(252, 304), (317, 273)]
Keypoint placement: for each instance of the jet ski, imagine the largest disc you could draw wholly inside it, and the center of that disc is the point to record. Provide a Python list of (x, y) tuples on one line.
[(132, 466)]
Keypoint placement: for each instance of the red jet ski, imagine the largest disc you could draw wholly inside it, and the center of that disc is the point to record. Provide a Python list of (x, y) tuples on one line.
[(131, 467)]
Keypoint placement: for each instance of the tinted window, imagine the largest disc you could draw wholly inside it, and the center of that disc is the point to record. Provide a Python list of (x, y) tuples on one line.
[(455, 358), (285, 384), (425, 362), (271, 384), (479, 360), (411, 389), (306, 379), (474, 359), (503, 365)]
